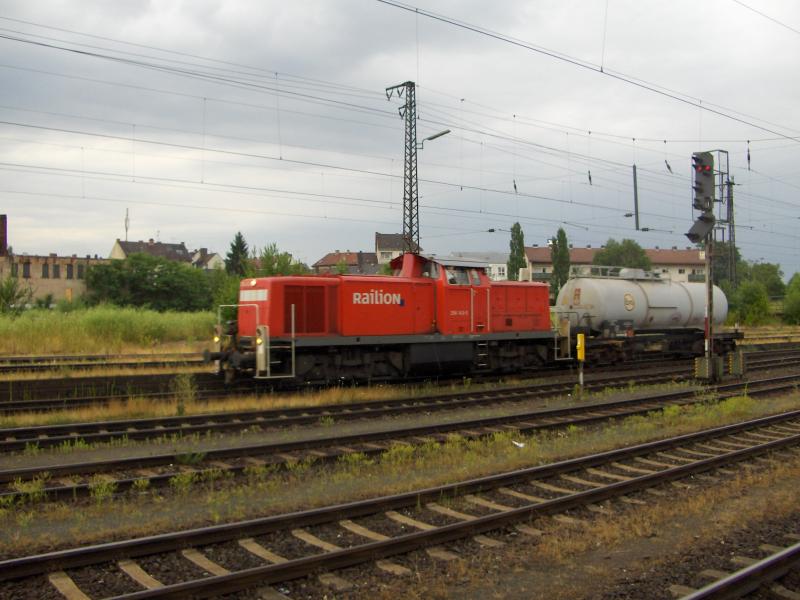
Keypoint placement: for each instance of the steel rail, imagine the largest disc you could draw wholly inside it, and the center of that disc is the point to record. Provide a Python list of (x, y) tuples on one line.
[(20, 438), (749, 579), (101, 553), (275, 573), (44, 436), (66, 393), (542, 420)]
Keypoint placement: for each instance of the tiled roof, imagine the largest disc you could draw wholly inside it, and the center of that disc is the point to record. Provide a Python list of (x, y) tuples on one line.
[(176, 252), (350, 259), (388, 242)]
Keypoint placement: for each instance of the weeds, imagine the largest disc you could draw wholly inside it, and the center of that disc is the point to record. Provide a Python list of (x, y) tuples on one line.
[(185, 390), (183, 482), (190, 458), (101, 489), (32, 490)]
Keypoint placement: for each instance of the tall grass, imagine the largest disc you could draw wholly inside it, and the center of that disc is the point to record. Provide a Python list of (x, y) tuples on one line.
[(101, 329)]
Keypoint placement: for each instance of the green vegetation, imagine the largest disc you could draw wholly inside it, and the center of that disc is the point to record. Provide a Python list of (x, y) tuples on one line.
[(559, 253), (99, 329), (516, 259), (148, 281), (236, 259), (14, 295), (791, 302), (626, 253), (750, 303)]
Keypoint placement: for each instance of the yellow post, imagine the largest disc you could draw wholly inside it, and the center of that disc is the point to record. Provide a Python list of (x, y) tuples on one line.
[(580, 347)]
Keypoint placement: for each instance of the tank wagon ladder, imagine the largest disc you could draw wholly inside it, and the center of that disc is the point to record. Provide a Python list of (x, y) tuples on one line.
[(562, 332)]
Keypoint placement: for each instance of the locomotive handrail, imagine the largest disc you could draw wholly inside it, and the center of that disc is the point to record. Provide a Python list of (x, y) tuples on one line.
[(221, 306), (266, 350)]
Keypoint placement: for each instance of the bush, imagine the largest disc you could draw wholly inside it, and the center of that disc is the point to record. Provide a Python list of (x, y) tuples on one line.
[(150, 282), (791, 307), (751, 303), (14, 295)]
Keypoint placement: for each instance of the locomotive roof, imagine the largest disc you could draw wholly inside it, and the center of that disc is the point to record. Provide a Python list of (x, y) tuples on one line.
[(456, 261)]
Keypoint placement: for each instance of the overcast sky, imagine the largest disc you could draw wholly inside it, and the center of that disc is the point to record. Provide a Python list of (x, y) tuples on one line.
[(204, 118)]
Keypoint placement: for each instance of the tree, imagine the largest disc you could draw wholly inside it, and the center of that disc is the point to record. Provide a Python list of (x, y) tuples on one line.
[(626, 253), (224, 287), (14, 295), (516, 259), (236, 259), (271, 261), (149, 281), (771, 276), (751, 303), (559, 254), (722, 265), (341, 267), (791, 302)]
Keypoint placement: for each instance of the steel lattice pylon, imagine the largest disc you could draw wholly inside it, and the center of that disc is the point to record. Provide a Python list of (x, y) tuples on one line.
[(410, 196)]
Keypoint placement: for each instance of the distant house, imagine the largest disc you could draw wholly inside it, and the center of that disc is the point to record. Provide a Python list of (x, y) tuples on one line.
[(176, 252), (673, 263), (497, 262), (389, 246), (356, 263), (208, 261), (200, 259)]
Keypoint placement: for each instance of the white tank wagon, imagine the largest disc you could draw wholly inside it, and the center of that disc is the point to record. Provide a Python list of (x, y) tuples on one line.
[(613, 301)]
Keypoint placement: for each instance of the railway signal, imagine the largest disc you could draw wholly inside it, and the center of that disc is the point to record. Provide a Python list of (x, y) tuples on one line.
[(703, 187), (702, 232)]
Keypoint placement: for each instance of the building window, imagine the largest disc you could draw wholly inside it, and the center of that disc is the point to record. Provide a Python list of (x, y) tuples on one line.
[(386, 255), (664, 270), (69, 270), (56, 271), (80, 271), (681, 271), (501, 271), (45, 271), (15, 269), (26, 270)]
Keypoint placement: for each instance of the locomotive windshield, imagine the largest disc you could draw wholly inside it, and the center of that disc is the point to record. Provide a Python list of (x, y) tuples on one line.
[(462, 276)]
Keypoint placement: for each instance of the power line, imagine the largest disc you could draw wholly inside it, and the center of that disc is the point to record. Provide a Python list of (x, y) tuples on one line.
[(766, 16), (677, 96)]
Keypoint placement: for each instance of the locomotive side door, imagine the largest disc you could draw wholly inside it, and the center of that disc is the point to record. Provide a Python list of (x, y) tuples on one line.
[(464, 301), (480, 301)]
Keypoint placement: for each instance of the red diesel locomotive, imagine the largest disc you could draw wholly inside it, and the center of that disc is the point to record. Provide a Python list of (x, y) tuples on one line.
[(433, 316)]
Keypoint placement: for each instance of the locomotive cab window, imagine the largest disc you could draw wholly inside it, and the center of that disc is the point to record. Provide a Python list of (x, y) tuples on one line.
[(457, 276), (475, 276), (431, 269)]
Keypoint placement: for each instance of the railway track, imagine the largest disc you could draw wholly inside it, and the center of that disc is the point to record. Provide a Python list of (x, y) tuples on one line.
[(68, 481), (41, 437), (49, 395), (22, 438), (210, 561), (14, 364), (758, 574)]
